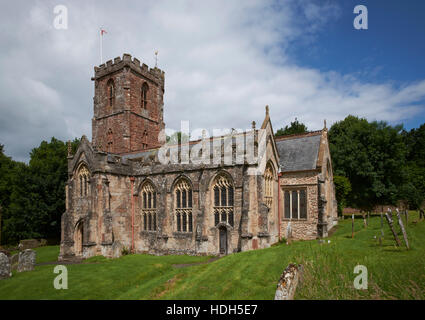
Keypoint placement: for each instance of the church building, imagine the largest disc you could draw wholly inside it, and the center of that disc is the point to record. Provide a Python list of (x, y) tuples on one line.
[(128, 190)]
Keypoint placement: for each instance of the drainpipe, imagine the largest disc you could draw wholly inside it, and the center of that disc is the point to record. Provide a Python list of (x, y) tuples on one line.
[(132, 214), (278, 203)]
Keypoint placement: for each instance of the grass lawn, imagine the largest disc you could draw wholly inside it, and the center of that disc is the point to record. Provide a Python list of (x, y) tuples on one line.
[(393, 272)]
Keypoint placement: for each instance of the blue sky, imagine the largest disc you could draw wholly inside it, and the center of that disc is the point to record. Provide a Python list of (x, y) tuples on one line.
[(223, 62), (392, 49)]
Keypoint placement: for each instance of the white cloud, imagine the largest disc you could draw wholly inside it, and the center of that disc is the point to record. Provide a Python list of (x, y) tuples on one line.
[(223, 62)]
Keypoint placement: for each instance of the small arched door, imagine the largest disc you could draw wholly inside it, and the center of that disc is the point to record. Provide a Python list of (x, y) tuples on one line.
[(223, 240), (78, 239)]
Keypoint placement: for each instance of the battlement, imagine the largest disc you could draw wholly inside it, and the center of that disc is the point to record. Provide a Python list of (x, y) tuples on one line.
[(155, 74)]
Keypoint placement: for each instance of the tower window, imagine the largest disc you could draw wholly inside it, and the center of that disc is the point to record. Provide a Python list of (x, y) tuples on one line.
[(111, 92), (144, 96)]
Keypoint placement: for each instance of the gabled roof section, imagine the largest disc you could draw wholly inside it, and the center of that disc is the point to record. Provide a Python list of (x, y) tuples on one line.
[(84, 153), (299, 152)]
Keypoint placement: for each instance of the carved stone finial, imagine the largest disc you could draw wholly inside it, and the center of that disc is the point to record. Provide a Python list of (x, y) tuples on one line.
[(324, 124), (253, 125), (267, 109), (204, 134)]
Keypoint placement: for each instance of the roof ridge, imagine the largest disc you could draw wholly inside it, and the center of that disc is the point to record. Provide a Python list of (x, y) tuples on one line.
[(298, 135)]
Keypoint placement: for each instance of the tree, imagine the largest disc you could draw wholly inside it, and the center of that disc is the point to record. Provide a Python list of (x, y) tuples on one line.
[(414, 189), (294, 128), (342, 190), (7, 165), (372, 156), (176, 138), (35, 201)]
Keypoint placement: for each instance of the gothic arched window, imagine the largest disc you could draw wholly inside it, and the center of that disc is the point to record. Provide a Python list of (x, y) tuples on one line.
[(111, 92), (83, 177), (268, 186), (144, 96), (183, 203), (223, 194), (148, 194)]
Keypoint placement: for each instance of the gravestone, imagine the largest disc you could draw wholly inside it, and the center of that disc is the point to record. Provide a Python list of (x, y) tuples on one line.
[(117, 249), (288, 282), (389, 217), (403, 230), (26, 260), (5, 271), (14, 260)]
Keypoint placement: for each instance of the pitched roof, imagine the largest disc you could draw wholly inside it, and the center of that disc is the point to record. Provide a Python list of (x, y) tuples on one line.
[(298, 152)]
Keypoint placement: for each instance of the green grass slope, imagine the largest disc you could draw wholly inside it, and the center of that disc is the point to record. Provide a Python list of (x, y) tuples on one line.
[(393, 272)]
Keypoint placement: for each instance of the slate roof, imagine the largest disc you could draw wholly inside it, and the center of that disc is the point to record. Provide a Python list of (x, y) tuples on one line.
[(298, 153)]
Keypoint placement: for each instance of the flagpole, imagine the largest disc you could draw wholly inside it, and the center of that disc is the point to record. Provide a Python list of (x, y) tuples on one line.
[(101, 37)]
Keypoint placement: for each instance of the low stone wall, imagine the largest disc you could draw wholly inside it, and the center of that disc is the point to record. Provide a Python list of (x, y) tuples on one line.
[(32, 243)]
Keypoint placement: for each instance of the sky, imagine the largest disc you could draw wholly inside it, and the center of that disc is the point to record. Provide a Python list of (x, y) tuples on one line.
[(223, 62)]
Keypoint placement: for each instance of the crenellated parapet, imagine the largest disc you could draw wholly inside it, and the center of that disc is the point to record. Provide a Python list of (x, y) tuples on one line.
[(111, 66)]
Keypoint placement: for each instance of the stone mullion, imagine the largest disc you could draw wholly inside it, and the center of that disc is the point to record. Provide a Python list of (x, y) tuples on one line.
[(298, 200), (290, 204)]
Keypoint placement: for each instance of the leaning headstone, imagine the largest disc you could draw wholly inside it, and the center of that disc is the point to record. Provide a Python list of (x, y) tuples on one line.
[(289, 231), (5, 271), (288, 282), (389, 217), (26, 260), (403, 230)]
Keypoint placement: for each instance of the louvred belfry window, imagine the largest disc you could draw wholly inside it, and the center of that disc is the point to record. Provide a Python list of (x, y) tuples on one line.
[(111, 92), (144, 96)]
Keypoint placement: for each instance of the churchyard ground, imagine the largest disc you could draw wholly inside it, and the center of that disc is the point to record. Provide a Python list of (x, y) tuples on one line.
[(393, 272)]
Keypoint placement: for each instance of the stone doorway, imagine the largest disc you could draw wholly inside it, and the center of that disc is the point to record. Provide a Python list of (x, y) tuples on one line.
[(78, 239), (223, 240)]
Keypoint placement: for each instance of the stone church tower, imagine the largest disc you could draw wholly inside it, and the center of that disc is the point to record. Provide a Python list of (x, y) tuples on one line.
[(128, 106)]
